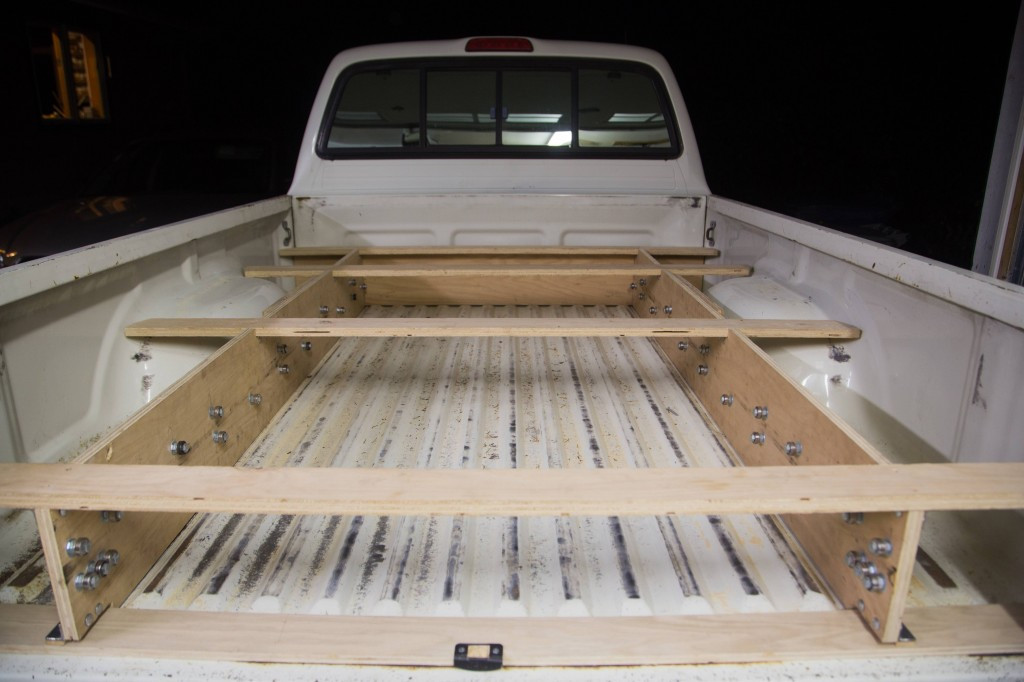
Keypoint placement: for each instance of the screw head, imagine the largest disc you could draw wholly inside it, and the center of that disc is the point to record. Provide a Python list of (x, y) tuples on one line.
[(324, 310), (282, 369), (652, 310), (643, 282), (860, 605), (306, 345), (632, 285), (727, 399), (876, 624), (704, 349), (641, 295), (668, 310), (702, 370), (255, 399), (282, 348), (340, 310), (89, 620), (683, 345)]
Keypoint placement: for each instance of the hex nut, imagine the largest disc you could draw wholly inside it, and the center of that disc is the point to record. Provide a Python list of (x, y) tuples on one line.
[(85, 582), (76, 547), (668, 310), (727, 399), (255, 399), (794, 448), (216, 411), (180, 448), (220, 436), (282, 369), (324, 310), (340, 310), (306, 345), (702, 370), (683, 345), (108, 516), (880, 546), (652, 310)]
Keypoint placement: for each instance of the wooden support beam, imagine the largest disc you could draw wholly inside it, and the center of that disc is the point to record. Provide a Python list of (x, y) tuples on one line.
[(514, 492), (430, 641), (443, 326), (492, 270), (429, 252)]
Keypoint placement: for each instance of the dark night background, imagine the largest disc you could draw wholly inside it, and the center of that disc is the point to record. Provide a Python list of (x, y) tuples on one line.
[(870, 117)]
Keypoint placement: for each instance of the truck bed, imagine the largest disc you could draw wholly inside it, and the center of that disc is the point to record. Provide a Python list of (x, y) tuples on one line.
[(479, 403)]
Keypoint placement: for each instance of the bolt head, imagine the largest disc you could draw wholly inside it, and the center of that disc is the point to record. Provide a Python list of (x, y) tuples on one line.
[(180, 447), (860, 605), (89, 620), (641, 295), (306, 345), (876, 624), (794, 448), (652, 310), (340, 310), (683, 345), (757, 438), (643, 282), (255, 398), (324, 310), (668, 310), (282, 369), (727, 399), (632, 285), (702, 370)]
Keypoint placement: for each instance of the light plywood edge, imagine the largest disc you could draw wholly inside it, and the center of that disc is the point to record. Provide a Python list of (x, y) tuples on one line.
[(514, 271), (525, 327), (813, 490), (430, 641)]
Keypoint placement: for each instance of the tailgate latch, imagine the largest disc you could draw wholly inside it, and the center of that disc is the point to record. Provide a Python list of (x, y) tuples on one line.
[(478, 656)]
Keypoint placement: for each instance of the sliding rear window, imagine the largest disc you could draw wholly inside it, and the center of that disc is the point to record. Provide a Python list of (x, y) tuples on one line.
[(512, 108)]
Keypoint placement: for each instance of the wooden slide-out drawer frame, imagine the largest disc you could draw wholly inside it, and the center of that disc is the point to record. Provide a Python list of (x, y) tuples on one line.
[(833, 492)]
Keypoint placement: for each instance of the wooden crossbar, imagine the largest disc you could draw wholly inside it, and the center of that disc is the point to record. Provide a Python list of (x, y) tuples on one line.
[(523, 327), (560, 641), (514, 492), (429, 251), (489, 270)]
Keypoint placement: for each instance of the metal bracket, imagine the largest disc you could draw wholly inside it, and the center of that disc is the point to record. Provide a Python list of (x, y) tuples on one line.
[(56, 635), (478, 657)]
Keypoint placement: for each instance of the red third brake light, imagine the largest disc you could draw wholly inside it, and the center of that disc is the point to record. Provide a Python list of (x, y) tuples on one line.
[(499, 45)]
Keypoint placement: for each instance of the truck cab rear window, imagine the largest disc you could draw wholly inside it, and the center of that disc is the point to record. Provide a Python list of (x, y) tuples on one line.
[(521, 108)]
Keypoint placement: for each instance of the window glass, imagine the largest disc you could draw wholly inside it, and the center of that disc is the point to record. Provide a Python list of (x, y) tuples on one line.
[(461, 108), (620, 109), (378, 109), (538, 108)]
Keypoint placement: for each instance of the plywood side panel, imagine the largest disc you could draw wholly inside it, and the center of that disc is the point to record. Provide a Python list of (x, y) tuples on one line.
[(764, 415), (470, 290), (245, 366)]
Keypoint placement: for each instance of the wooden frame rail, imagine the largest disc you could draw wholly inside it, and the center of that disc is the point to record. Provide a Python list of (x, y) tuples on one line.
[(586, 641), (836, 493), (828, 489), (521, 327)]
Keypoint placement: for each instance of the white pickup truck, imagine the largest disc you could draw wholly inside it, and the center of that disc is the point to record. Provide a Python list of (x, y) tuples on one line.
[(543, 400)]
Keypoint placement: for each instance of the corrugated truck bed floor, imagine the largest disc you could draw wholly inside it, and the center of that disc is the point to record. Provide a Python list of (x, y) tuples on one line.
[(485, 403)]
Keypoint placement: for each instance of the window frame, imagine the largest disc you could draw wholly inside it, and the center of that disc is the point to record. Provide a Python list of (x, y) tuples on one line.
[(500, 151)]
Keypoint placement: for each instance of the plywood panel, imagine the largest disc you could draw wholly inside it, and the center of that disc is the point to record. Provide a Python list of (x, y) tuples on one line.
[(733, 378)]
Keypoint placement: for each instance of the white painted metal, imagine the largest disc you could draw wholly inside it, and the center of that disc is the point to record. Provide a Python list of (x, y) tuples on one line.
[(927, 381), (1004, 169), (315, 177), (499, 220)]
